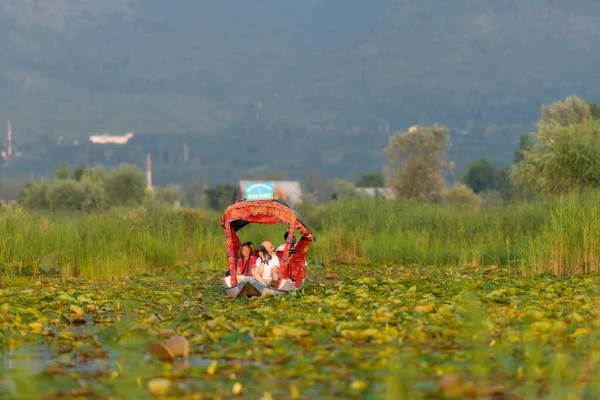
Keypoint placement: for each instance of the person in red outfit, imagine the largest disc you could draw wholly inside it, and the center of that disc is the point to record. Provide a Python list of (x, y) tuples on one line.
[(245, 261)]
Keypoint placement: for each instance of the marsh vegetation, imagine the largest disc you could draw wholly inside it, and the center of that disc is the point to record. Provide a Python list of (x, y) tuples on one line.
[(406, 300), (373, 331), (486, 289)]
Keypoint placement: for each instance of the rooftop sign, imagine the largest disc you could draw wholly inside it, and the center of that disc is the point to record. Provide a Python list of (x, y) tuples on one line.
[(259, 191)]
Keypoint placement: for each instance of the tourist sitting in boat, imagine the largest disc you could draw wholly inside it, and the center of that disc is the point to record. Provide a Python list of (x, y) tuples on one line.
[(266, 266), (253, 252), (246, 260), (279, 251), (240, 265), (281, 247)]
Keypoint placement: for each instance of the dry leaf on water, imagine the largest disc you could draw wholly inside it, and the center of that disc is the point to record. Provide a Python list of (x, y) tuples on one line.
[(179, 346), (160, 351)]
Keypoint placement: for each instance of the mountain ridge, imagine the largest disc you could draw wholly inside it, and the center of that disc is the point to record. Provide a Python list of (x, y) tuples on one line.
[(321, 76)]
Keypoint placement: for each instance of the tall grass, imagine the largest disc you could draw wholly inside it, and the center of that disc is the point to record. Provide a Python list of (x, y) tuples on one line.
[(560, 236), (410, 232), (569, 241), (106, 246)]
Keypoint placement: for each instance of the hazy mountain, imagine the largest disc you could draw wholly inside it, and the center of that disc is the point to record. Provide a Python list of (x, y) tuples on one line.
[(318, 75)]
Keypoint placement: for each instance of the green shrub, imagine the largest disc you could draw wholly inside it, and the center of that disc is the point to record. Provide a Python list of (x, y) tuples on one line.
[(95, 197), (36, 196), (461, 197), (67, 195), (125, 186)]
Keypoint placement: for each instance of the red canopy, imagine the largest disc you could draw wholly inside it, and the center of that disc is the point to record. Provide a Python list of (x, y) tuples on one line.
[(244, 212)]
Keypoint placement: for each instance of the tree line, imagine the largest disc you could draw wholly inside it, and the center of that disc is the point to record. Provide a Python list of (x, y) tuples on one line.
[(563, 155)]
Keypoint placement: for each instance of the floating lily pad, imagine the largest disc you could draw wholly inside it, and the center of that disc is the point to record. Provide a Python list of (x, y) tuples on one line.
[(161, 351), (367, 335), (159, 387)]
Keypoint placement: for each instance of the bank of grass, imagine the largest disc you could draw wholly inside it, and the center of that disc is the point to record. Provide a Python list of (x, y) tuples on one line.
[(560, 236), (568, 241), (411, 232), (113, 245)]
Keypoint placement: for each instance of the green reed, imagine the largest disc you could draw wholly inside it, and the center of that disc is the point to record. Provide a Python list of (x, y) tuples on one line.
[(106, 246), (561, 236), (569, 241), (409, 232)]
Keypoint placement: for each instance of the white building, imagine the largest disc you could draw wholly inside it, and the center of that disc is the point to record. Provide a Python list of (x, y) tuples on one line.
[(106, 138)]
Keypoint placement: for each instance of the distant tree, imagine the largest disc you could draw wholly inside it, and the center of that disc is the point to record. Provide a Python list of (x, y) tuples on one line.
[(62, 172), (594, 110), (505, 187), (566, 151), (481, 176), (95, 174), (66, 195), (220, 196), (571, 111), (96, 198), (125, 186), (36, 196), (373, 179), (78, 172), (416, 162), (525, 145)]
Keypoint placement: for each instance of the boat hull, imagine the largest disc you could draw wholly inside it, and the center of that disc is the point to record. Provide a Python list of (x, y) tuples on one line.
[(253, 288)]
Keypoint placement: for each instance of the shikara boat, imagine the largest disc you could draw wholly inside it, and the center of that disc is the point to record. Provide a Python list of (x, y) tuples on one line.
[(292, 269)]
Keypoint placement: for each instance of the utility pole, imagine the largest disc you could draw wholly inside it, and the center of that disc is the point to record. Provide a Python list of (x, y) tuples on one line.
[(9, 150), (148, 172), (7, 155)]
